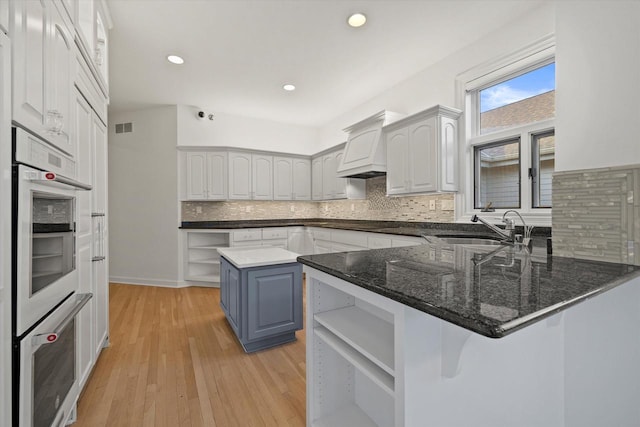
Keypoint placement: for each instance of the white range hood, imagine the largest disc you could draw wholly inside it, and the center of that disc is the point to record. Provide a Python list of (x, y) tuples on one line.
[(365, 155)]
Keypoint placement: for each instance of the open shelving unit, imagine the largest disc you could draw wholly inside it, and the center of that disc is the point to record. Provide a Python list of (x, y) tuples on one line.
[(202, 261), (352, 371)]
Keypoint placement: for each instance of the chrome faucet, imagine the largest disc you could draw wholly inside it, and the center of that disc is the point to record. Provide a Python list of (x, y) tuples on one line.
[(509, 232)]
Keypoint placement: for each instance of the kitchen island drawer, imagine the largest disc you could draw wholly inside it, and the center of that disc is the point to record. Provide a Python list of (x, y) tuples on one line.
[(274, 233)]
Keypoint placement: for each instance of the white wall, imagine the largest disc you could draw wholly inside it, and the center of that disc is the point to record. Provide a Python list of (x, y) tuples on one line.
[(436, 84), (244, 132), (143, 208), (598, 64)]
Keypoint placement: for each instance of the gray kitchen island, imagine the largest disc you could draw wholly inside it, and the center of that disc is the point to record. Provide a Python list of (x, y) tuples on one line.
[(261, 295)]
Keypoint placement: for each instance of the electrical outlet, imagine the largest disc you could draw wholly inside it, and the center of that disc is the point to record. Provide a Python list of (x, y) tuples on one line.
[(293, 209), (49, 209), (353, 207), (326, 208), (247, 209), (198, 209), (432, 205)]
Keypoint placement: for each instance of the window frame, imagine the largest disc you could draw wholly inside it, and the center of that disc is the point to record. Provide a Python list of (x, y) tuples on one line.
[(476, 169), (468, 86)]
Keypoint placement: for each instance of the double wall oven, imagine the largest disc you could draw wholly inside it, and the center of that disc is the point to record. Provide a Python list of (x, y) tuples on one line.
[(45, 279)]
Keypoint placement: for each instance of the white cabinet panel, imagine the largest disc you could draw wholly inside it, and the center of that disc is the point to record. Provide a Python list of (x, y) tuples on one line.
[(239, 176), (301, 179), (42, 72), (4, 16), (316, 178), (422, 156), (422, 152), (206, 175), (282, 178), (262, 177), (100, 167)]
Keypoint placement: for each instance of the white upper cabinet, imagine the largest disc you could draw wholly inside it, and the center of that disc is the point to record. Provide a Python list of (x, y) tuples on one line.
[(42, 72), (282, 178), (301, 179), (92, 25), (261, 177), (239, 176), (250, 176), (316, 178), (206, 175), (326, 183), (422, 152)]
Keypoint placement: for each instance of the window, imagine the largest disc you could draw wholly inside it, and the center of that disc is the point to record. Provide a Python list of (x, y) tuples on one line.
[(510, 135)]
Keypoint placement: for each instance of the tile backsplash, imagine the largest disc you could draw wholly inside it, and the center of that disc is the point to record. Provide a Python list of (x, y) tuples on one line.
[(596, 214), (376, 206)]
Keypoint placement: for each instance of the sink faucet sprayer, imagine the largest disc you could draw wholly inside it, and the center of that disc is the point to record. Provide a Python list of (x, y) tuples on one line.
[(509, 232)]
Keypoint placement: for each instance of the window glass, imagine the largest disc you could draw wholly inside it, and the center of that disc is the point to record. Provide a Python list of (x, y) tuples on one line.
[(497, 168), (527, 98), (544, 149)]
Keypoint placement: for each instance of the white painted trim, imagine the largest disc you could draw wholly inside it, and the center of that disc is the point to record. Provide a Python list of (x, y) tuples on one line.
[(147, 282)]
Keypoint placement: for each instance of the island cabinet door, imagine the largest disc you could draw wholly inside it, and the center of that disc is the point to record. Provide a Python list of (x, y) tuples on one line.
[(230, 294), (274, 301)]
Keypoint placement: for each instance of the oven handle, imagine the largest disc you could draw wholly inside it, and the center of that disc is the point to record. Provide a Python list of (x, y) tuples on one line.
[(51, 337), (52, 176)]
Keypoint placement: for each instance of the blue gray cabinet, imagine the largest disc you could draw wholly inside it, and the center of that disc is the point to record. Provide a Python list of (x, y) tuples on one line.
[(263, 305)]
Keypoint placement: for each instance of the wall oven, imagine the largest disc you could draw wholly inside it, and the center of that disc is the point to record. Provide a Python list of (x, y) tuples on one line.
[(44, 282)]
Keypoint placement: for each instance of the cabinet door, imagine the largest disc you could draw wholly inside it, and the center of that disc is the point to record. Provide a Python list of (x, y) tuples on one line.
[(423, 163), (282, 178), (224, 285), (329, 169), (4, 16), (101, 304), (316, 178), (448, 154), (302, 179), (340, 185), (216, 172), (234, 300), (262, 177), (196, 176), (397, 160), (101, 52), (59, 83), (83, 135), (30, 31), (239, 176), (274, 301), (100, 166)]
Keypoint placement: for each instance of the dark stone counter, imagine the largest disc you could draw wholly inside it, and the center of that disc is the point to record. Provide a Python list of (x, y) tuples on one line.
[(490, 290)]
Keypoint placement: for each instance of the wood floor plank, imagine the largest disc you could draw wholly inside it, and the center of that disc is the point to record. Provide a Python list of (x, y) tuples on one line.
[(175, 361)]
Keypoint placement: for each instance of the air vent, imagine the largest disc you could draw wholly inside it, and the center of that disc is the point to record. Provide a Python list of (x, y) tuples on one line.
[(124, 127)]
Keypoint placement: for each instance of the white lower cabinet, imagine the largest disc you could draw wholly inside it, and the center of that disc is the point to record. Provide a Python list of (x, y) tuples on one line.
[(351, 362), (202, 261)]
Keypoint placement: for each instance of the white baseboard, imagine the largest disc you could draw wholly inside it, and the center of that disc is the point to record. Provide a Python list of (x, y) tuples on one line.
[(160, 283)]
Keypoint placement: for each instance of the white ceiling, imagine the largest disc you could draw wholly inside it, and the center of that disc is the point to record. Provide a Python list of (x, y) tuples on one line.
[(239, 53)]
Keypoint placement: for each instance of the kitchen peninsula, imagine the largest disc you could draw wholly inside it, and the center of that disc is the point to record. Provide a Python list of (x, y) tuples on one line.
[(406, 337)]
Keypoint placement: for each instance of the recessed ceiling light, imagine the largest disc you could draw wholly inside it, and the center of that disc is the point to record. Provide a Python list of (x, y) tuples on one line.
[(357, 20), (289, 87), (175, 59)]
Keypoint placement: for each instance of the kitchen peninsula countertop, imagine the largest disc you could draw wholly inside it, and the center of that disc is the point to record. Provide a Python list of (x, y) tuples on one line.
[(490, 290), (404, 228)]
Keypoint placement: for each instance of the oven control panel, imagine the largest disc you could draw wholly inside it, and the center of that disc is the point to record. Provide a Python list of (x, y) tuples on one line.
[(33, 151)]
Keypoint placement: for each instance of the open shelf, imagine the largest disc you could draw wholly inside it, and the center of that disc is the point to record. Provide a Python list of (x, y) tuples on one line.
[(360, 362), (45, 256), (349, 416), (201, 258), (368, 334)]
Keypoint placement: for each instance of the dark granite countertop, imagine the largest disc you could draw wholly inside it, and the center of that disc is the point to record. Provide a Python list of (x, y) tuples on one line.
[(404, 228), (491, 290)]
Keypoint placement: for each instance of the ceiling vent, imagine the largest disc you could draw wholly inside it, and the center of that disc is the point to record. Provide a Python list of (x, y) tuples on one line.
[(124, 127)]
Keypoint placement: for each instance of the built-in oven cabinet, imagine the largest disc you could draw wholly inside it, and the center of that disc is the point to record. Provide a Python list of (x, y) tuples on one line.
[(45, 246), (48, 386), (43, 44)]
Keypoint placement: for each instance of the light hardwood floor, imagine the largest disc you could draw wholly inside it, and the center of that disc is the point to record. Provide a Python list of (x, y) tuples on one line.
[(174, 361)]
